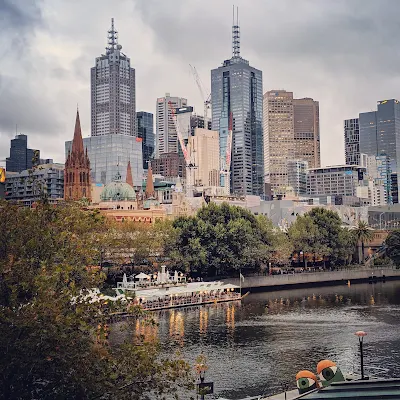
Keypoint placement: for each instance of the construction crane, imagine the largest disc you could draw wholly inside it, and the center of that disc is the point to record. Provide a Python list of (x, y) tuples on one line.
[(206, 100), (189, 163)]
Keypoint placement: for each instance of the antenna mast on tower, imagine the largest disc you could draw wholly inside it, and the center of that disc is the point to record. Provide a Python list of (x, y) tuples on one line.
[(112, 38), (235, 34)]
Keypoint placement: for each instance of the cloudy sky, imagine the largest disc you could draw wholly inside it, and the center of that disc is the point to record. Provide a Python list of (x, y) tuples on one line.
[(343, 53)]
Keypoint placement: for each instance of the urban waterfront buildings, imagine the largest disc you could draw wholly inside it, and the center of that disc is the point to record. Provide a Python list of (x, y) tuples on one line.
[(146, 134), (166, 135), (169, 165), (297, 176), (21, 158), (291, 132), (113, 91), (380, 136), (27, 187), (352, 141), (236, 92), (77, 182)]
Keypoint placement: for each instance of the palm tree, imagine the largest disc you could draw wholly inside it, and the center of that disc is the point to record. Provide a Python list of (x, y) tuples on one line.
[(364, 235)]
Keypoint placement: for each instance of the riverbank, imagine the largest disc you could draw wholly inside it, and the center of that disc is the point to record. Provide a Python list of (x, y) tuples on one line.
[(315, 279)]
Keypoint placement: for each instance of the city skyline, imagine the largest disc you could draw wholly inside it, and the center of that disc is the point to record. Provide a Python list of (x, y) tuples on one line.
[(311, 57)]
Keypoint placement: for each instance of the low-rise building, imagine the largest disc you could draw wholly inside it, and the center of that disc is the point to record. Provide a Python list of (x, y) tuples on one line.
[(30, 186)]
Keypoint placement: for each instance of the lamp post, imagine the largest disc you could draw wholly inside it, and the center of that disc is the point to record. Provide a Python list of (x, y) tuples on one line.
[(361, 335)]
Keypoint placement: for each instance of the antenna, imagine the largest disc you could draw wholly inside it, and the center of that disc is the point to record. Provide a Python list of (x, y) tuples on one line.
[(235, 34), (112, 39)]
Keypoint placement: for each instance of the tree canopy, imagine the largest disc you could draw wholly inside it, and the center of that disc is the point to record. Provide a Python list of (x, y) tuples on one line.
[(393, 246)]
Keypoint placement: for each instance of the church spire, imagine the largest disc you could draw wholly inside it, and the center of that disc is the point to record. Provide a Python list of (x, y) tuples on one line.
[(129, 179), (77, 143), (149, 184)]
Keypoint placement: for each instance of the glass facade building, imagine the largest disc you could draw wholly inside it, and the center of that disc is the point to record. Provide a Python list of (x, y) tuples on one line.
[(146, 133), (21, 158), (109, 154), (380, 136), (352, 141), (236, 89)]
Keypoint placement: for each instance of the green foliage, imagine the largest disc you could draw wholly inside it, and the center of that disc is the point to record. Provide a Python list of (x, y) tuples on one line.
[(363, 234), (52, 347), (220, 240), (393, 246)]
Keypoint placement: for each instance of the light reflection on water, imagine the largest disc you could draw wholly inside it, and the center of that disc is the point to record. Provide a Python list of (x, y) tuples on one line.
[(255, 346)]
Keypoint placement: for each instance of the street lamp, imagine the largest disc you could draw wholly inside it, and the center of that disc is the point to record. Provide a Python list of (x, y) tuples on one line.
[(361, 335)]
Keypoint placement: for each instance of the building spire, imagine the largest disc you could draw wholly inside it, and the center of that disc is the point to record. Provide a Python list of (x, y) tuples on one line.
[(129, 179), (113, 39), (149, 184), (235, 34), (77, 142)]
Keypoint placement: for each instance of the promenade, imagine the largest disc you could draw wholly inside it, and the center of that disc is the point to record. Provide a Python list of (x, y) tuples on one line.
[(277, 282)]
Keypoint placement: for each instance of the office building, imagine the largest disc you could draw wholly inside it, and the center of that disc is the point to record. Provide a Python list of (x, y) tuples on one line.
[(21, 158), (203, 150), (278, 138), (169, 165), (380, 136), (297, 176), (166, 135), (113, 91), (341, 180), (146, 134), (306, 131), (27, 187), (352, 141), (236, 92)]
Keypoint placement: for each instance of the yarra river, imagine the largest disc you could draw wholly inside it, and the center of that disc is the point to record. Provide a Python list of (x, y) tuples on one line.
[(256, 346)]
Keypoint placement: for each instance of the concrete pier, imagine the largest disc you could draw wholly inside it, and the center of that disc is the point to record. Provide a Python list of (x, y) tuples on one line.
[(278, 282)]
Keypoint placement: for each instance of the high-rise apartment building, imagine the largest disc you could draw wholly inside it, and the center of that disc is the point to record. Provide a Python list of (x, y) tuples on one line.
[(380, 136), (21, 158), (297, 176), (278, 138), (203, 148), (146, 134), (236, 92), (306, 131), (113, 91), (352, 141), (166, 135)]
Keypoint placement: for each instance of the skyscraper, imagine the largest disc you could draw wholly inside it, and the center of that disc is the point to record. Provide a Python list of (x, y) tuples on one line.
[(21, 158), (306, 131), (113, 91), (352, 141), (146, 133), (166, 136), (236, 92), (380, 136), (278, 138)]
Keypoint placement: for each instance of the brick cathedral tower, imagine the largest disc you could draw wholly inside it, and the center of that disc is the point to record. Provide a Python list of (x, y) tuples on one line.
[(77, 168)]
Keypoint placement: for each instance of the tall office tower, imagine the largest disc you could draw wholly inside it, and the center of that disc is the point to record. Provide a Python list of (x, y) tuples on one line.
[(380, 136), (352, 141), (236, 92), (166, 136), (278, 138), (113, 91), (297, 176), (21, 158), (146, 134), (306, 131)]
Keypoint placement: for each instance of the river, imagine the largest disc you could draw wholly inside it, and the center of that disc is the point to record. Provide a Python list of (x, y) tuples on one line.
[(256, 346)]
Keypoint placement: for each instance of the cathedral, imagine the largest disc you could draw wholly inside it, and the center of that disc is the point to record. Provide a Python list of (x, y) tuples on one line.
[(77, 169)]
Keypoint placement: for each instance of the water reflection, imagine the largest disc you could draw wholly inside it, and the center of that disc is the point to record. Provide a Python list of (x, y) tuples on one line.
[(255, 346)]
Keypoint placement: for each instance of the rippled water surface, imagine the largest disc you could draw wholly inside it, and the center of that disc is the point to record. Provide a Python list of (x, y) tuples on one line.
[(255, 346)]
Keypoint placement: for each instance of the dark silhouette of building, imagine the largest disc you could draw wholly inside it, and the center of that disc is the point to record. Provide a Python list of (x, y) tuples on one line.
[(21, 158), (77, 168), (146, 134)]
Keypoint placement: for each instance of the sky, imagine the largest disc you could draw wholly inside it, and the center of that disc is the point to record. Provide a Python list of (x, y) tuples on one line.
[(343, 53)]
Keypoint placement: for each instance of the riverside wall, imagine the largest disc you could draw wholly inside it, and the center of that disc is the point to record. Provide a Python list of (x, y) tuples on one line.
[(277, 282)]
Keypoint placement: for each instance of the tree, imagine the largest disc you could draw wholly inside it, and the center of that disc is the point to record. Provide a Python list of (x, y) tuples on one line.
[(363, 234), (54, 343), (393, 246)]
